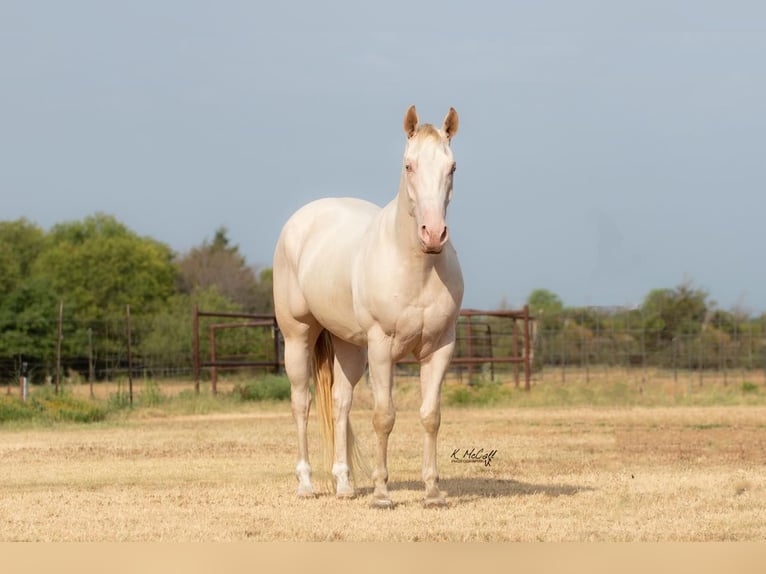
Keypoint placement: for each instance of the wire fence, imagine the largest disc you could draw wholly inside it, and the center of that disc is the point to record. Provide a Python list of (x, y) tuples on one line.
[(643, 354), (161, 348)]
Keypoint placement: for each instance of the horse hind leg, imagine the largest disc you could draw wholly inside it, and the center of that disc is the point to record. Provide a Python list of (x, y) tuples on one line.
[(348, 368), (298, 368)]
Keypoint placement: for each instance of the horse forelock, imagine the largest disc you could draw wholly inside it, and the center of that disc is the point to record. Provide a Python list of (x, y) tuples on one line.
[(428, 131), (427, 136)]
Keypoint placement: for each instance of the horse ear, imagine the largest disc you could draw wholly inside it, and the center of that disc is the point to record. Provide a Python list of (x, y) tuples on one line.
[(450, 124), (411, 122)]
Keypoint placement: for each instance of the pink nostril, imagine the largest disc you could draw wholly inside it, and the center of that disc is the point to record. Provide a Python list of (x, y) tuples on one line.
[(431, 239)]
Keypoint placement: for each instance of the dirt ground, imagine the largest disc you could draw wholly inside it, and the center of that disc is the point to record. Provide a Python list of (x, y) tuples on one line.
[(576, 474)]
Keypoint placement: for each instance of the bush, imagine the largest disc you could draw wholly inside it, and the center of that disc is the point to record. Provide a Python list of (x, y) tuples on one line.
[(270, 388)]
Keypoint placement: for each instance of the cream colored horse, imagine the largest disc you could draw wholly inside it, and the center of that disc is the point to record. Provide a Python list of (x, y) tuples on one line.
[(354, 283)]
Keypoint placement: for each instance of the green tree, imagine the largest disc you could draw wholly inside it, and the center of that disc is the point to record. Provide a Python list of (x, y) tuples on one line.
[(98, 266), (220, 264), (28, 321), (546, 307), (27, 308), (164, 339), (673, 312), (21, 242)]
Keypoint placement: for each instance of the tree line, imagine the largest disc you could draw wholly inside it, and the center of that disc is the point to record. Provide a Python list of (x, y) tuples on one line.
[(97, 267), (679, 328)]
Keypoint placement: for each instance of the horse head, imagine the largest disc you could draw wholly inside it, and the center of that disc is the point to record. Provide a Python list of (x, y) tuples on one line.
[(427, 177)]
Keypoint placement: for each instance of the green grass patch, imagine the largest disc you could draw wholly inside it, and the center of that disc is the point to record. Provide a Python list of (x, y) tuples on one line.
[(12, 409), (709, 426), (618, 392), (152, 399), (749, 387), (268, 388), (479, 393), (44, 405)]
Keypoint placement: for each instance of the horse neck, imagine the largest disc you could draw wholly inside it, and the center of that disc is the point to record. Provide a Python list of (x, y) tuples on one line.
[(404, 228)]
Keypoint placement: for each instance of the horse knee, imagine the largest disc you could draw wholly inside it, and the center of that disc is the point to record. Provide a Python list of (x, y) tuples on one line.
[(300, 400), (341, 406), (431, 420), (383, 420)]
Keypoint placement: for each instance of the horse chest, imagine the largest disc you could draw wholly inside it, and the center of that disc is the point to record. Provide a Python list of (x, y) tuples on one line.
[(411, 329), (417, 324)]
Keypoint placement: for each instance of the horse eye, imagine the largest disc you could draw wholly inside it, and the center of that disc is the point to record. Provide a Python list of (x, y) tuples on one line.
[(454, 167), (408, 167)]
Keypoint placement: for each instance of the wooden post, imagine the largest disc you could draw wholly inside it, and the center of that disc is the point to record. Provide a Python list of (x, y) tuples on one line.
[(195, 348), (90, 361), (275, 333), (491, 354), (527, 351), (58, 346), (213, 369), (130, 357), (515, 351), (469, 336)]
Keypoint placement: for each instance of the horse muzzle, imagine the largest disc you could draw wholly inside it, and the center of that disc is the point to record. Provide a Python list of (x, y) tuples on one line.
[(433, 239)]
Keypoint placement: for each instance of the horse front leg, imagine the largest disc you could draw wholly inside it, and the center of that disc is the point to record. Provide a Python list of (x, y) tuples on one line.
[(432, 371), (384, 415)]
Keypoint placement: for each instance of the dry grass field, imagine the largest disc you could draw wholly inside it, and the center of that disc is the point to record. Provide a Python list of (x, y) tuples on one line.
[(580, 473)]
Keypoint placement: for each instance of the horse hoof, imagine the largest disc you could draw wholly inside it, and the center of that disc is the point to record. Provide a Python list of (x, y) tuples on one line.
[(385, 503), (346, 494), (306, 493), (439, 502)]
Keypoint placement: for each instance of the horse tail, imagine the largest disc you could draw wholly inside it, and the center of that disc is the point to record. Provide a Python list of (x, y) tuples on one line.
[(322, 366)]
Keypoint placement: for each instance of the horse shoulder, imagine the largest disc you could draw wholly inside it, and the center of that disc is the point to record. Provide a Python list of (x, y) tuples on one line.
[(321, 240)]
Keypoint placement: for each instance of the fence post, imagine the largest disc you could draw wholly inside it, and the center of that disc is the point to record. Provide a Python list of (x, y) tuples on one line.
[(515, 351), (562, 356), (491, 353), (675, 356), (275, 333), (23, 380), (195, 348), (58, 346), (723, 354), (90, 360), (469, 335), (130, 357), (213, 369), (527, 351), (643, 347)]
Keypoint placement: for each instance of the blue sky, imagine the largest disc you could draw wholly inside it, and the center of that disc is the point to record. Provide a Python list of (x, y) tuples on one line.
[(605, 148)]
